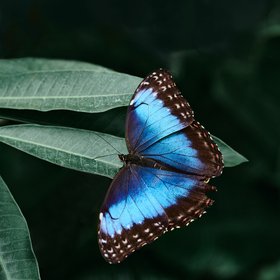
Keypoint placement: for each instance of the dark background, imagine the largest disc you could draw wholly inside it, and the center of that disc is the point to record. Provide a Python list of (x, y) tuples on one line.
[(225, 56)]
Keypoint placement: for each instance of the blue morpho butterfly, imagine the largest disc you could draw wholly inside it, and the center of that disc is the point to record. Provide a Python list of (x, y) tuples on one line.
[(164, 180)]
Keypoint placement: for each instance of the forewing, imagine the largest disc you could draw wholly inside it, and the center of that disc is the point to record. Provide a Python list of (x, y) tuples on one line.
[(156, 110)]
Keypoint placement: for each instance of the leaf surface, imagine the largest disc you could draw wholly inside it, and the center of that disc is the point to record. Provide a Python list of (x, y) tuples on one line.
[(231, 157), (79, 149), (17, 259), (45, 85)]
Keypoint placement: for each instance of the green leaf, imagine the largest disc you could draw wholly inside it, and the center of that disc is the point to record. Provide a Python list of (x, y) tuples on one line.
[(17, 259), (78, 149), (97, 122), (44, 85), (22, 65), (231, 157)]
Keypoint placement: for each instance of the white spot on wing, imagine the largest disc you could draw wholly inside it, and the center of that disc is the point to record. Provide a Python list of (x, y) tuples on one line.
[(100, 216)]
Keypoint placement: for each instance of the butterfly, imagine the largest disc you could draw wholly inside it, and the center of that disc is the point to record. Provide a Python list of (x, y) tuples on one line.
[(164, 179)]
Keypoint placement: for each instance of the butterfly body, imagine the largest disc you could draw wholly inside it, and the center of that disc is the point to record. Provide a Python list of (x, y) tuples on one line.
[(131, 159), (164, 180)]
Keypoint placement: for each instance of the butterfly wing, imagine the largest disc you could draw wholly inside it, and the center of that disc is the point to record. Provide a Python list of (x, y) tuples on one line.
[(143, 203), (160, 125), (156, 110), (190, 150)]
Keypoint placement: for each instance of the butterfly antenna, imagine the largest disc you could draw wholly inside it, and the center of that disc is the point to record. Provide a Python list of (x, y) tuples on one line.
[(105, 156), (118, 152)]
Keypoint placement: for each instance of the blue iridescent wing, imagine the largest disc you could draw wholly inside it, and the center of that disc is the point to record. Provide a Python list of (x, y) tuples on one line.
[(190, 150), (143, 203), (160, 125), (156, 109)]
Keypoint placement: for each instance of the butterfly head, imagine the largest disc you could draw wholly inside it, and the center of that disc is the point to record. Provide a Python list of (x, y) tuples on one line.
[(123, 158), (131, 159)]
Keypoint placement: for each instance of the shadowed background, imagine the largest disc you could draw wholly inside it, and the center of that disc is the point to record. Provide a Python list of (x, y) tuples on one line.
[(225, 58)]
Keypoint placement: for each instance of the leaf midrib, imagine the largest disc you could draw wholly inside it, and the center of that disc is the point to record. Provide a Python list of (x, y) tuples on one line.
[(57, 149), (4, 268)]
